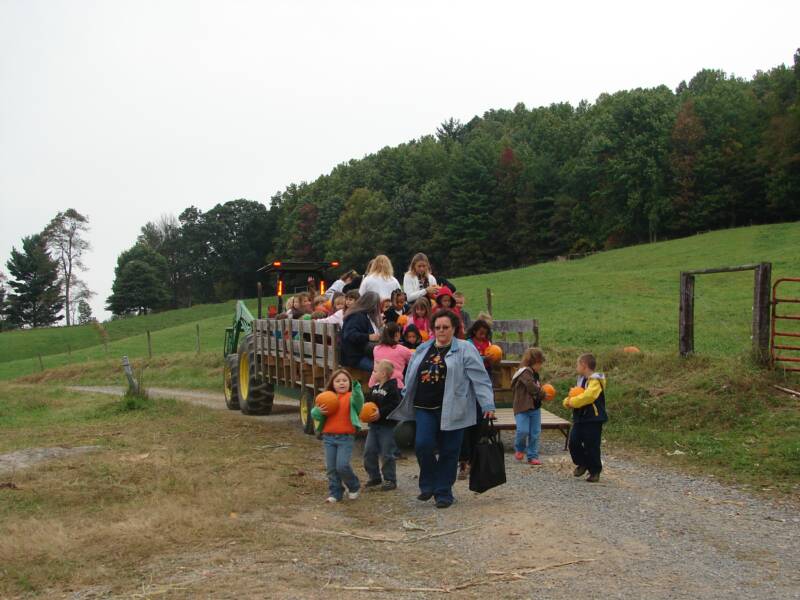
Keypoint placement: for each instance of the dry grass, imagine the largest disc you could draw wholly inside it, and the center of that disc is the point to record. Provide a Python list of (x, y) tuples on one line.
[(173, 478)]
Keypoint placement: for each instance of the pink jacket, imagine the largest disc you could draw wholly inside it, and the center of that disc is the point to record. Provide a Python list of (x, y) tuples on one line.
[(398, 355)]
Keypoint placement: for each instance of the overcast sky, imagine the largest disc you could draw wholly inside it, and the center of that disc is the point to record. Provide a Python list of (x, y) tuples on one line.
[(128, 110)]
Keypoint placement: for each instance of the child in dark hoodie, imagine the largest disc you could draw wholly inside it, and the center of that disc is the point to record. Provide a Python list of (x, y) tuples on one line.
[(528, 398), (411, 338), (380, 438)]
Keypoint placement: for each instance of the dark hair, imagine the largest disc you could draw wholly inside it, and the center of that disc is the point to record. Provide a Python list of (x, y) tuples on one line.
[(396, 293), (351, 274), (589, 360), (369, 303), (479, 324), (388, 333), (449, 314), (353, 294)]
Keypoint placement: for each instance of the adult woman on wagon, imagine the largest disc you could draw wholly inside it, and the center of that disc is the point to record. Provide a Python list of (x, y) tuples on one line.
[(361, 331), (444, 380), (379, 278), (419, 281)]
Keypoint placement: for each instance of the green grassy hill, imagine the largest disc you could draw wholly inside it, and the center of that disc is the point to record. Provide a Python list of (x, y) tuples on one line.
[(630, 296), (612, 299), (29, 343)]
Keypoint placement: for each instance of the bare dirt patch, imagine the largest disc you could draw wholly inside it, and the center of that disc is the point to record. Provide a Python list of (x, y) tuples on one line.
[(22, 459)]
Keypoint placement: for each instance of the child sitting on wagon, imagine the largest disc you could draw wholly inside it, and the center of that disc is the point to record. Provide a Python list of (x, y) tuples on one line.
[(420, 318)]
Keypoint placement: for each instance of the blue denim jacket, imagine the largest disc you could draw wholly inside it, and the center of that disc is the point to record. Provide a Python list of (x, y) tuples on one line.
[(467, 382)]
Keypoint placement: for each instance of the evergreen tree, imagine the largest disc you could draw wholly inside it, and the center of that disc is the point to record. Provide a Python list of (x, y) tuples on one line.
[(36, 298), (84, 312)]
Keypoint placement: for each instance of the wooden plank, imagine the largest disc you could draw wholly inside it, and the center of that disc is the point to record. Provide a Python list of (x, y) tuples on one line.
[(314, 352), (722, 270), (761, 312), (505, 420), (513, 348), (686, 315), (514, 326)]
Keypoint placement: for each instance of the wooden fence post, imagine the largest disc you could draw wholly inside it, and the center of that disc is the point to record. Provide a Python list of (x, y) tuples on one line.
[(133, 385), (761, 312), (489, 300), (259, 288), (686, 316), (41, 364), (149, 345), (197, 341)]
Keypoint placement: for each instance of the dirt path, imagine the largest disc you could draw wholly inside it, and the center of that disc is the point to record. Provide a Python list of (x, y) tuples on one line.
[(643, 532)]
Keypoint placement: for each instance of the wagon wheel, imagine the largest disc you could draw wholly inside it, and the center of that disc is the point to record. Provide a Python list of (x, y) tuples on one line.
[(306, 404), (255, 395), (230, 381)]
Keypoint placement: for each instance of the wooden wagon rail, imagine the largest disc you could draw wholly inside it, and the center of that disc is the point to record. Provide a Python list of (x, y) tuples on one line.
[(301, 354)]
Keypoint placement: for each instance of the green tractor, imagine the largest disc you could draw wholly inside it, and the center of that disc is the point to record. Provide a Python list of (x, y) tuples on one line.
[(243, 383)]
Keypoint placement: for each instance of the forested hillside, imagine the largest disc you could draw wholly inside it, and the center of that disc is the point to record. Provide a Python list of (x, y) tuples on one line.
[(510, 188)]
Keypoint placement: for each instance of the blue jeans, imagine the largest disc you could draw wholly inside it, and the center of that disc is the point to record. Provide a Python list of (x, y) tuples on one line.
[(338, 451), (365, 363), (437, 470), (529, 425), (380, 442)]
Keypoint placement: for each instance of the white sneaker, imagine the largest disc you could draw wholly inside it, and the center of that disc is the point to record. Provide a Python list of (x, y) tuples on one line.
[(353, 495), (331, 500)]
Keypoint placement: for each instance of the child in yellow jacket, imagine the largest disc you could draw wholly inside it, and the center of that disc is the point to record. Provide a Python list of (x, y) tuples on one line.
[(588, 416)]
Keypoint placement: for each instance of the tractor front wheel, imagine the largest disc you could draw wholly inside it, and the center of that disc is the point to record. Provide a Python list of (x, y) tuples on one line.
[(255, 395), (230, 381), (306, 404)]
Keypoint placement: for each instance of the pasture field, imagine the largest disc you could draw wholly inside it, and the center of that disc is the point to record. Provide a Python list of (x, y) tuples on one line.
[(611, 299)]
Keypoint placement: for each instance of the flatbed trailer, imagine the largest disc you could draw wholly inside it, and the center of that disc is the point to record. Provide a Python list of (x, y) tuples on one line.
[(301, 354)]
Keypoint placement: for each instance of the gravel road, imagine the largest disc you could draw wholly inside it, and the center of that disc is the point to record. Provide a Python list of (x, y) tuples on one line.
[(646, 532)]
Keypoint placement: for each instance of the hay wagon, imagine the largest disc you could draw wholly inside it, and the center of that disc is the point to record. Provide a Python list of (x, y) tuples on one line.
[(297, 356)]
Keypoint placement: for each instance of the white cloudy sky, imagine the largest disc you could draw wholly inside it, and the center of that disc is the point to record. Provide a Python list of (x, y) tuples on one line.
[(128, 110)]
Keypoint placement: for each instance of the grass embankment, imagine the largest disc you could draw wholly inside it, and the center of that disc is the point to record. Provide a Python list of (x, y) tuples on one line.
[(171, 331), (168, 481)]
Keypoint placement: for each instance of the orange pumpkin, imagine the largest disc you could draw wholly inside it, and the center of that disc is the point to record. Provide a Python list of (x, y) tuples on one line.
[(402, 320), (328, 402), (576, 391), (328, 306), (549, 392), (369, 413), (423, 333), (494, 353), (631, 350)]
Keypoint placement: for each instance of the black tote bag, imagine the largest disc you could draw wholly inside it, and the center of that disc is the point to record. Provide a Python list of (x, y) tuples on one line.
[(488, 467)]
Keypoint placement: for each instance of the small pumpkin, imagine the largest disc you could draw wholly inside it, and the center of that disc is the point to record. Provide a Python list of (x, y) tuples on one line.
[(631, 350), (328, 402), (424, 335), (549, 392), (402, 320), (369, 413), (494, 353)]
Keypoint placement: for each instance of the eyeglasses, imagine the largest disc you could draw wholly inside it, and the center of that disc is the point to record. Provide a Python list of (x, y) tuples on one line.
[(442, 327)]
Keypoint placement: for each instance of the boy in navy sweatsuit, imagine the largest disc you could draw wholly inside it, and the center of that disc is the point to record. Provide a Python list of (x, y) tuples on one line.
[(588, 416)]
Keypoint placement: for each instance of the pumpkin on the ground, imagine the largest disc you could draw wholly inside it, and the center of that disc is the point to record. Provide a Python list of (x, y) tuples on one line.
[(631, 350)]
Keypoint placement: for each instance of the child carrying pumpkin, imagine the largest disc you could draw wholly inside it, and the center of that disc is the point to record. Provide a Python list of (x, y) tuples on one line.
[(398, 307), (380, 437), (588, 404), (480, 334), (338, 420), (411, 338), (528, 396)]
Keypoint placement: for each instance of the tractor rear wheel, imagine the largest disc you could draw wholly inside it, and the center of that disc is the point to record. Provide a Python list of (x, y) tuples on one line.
[(230, 381), (306, 404), (255, 395)]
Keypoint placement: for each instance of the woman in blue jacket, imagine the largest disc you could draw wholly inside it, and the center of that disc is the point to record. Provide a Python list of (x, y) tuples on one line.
[(360, 331), (445, 382)]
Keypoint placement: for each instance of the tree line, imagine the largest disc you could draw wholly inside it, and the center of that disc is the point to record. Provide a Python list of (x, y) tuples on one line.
[(44, 276), (509, 188)]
